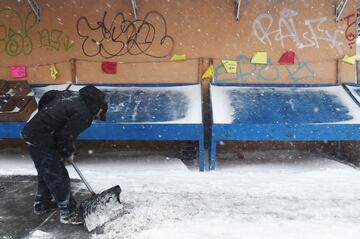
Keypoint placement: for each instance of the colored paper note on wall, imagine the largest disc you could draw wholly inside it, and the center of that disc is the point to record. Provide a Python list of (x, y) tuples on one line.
[(18, 72), (53, 72), (209, 73), (349, 59), (176, 57), (288, 58), (109, 67), (259, 58), (230, 66)]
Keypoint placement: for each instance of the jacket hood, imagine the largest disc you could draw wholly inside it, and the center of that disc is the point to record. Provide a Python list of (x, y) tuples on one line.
[(93, 98)]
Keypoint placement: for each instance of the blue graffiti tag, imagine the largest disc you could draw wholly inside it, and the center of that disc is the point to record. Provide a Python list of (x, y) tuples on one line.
[(264, 73)]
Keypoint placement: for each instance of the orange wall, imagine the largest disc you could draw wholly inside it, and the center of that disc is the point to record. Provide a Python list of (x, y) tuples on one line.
[(200, 29)]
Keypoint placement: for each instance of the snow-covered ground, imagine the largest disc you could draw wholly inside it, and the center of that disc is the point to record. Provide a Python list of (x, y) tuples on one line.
[(272, 194)]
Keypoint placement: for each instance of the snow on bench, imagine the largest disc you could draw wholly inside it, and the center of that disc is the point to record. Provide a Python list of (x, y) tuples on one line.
[(151, 112), (282, 112)]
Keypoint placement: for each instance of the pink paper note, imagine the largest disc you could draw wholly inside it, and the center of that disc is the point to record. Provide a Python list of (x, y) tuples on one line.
[(18, 72)]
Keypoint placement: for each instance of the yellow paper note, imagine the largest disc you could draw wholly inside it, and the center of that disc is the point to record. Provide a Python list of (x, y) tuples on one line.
[(208, 73), (53, 72), (176, 57), (230, 66), (349, 59), (259, 58)]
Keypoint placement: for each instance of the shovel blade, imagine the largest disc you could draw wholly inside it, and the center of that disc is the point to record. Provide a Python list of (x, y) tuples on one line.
[(101, 208)]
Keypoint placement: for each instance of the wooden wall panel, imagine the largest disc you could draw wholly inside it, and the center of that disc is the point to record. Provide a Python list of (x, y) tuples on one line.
[(299, 73), (146, 72), (91, 30), (40, 74), (346, 73)]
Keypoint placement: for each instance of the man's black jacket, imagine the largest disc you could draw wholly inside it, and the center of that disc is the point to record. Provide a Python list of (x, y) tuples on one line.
[(62, 118)]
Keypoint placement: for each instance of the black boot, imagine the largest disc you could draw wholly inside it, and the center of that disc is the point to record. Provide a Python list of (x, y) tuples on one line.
[(44, 207), (73, 218)]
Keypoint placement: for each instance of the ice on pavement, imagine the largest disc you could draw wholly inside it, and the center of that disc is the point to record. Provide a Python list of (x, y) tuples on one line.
[(38, 234), (272, 194)]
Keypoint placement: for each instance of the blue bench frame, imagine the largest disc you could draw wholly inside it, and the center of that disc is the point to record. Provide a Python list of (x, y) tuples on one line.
[(282, 131), (346, 87), (134, 131)]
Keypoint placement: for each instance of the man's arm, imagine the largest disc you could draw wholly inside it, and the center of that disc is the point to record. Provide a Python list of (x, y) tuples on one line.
[(69, 133)]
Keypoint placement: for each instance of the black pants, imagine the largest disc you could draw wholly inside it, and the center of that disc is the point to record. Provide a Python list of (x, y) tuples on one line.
[(53, 179)]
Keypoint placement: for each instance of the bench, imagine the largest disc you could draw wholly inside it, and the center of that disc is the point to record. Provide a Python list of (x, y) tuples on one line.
[(140, 112), (283, 113)]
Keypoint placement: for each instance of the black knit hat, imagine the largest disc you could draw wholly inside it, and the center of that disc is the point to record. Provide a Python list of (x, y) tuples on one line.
[(93, 97)]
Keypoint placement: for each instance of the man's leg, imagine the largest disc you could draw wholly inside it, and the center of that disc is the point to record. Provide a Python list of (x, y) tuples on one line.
[(43, 193), (56, 178), (43, 202)]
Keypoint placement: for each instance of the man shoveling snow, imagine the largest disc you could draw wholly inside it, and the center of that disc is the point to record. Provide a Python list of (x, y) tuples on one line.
[(50, 136)]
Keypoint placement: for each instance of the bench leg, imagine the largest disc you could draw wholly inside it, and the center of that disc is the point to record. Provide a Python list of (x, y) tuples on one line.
[(212, 154), (201, 156)]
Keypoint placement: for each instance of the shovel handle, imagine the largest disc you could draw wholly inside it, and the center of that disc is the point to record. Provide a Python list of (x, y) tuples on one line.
[(83, 178)]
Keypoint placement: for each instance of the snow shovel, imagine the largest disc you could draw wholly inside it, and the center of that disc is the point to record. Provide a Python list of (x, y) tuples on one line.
[(99, 208)]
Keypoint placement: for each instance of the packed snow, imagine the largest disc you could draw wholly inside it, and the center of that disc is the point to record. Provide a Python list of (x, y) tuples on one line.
[(38, 234), (270, 194)]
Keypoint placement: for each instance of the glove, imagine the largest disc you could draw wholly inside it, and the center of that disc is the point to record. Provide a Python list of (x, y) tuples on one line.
[(104, 108), (68, 160)]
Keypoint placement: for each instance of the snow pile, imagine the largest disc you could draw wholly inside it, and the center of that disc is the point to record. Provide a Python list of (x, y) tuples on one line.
[(272, 194), (226, 229), (310, 197), (101, 209)]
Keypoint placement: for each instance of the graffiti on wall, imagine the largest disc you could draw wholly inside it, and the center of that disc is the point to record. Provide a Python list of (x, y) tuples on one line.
[(246, 71), (266, 31), (119, 36), (350, 33), (55, 40), (15, 37), (301, 72)]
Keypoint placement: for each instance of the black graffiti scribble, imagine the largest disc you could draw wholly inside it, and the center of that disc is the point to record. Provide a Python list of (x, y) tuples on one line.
[(121, 36)]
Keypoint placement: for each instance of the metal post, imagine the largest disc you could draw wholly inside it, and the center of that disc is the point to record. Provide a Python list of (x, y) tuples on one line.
[(339, 9), (237, 9), (358, 71), (35, 6), (134, 8)]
